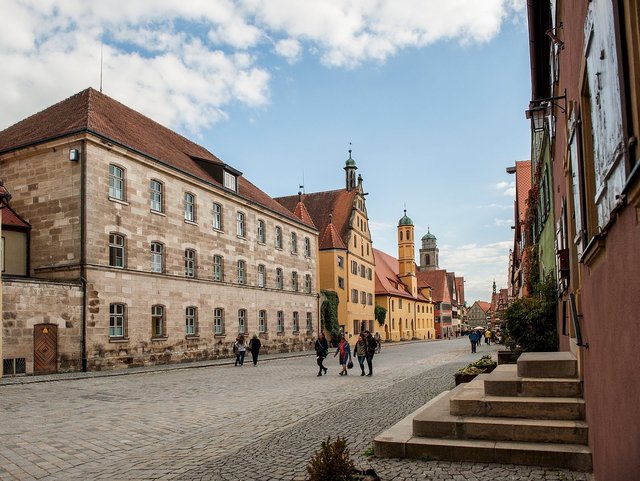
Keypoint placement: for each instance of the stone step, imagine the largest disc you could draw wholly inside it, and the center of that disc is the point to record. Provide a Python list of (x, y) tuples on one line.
[(399, 442), (437, 422), (547, 365), (504, 381), (471, 401), (563, 456)]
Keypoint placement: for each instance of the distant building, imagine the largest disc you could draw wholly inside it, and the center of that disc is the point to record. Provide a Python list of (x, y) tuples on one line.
[(519, 256), (479, 314), (346, 260), (144, 247), (410, 311)]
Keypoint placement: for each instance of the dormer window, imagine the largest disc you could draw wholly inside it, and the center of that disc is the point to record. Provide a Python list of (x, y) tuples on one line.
[(230, 181)]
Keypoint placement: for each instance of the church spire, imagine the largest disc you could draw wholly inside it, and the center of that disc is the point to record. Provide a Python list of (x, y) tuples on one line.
[(350, 171)]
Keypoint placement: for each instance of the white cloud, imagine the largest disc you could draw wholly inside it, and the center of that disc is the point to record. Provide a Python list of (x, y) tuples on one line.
[(502, 222), (507, 188), (199, 57), (289, 48)]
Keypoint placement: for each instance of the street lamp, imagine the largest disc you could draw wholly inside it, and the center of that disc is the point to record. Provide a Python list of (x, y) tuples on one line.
[(539, 109)]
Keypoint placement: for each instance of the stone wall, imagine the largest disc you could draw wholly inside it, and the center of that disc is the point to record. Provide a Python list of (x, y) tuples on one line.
[(27, 302)]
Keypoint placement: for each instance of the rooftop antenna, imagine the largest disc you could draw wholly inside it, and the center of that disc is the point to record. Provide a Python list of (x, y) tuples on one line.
[(101, 48)]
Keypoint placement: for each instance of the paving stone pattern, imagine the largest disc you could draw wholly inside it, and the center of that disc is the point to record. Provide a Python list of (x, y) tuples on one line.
[(231, 423)]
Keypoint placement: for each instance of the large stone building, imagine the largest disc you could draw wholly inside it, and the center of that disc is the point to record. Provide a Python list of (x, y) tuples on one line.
[(144, 247), (409, 309), (346, 262)]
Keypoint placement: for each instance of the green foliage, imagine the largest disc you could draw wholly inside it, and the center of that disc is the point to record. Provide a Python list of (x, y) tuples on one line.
[(331, 462), (479, 366), (329, 313), (369, 452), (381, 314), (531, 321)]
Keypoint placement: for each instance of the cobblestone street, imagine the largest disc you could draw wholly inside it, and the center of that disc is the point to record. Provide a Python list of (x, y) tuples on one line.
[(228, 423)]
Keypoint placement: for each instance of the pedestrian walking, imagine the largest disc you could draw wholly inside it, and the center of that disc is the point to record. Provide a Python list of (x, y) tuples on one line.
[(254, 348), (371, 350), (240, 348), (360, 350), (322, 351), (344, 349), (378, 341), (487, 337), (473, 338)]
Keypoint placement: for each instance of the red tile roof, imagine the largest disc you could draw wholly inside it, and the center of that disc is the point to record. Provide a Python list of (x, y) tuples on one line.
[(320, 205), (387, 280), (438, 282), (331, 239), (303, 214), (93, 112), (10, 218), (484, 305)]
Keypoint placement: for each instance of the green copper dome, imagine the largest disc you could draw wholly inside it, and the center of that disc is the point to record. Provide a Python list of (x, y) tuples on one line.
[(428, 235), (350, 162), (405, 220)]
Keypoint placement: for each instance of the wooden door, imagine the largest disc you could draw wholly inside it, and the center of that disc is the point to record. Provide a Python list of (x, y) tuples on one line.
[(45, 348)]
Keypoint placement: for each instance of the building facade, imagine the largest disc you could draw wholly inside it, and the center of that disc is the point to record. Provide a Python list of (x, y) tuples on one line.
[(176, 252), (586, 86), (346, 260), (409, 308)]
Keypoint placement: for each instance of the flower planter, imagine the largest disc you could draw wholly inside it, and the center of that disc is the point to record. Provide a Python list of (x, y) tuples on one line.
[(507, 357), (462, 378)]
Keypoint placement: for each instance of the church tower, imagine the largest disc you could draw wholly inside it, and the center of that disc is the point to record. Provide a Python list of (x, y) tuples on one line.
[(406, 254), (429, 253), (350, 170)]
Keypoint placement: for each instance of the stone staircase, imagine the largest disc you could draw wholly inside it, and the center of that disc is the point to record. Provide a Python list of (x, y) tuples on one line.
[(531, 413)]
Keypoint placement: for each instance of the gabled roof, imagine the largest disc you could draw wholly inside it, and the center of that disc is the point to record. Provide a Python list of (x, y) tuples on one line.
[(387, 280), (439, 285), (90, 111), (302, 213), (320, 205), (9, 217), (484, 305), (331, 239)]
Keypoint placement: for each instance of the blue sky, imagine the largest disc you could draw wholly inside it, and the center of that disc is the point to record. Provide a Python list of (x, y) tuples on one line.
[(431, 95)]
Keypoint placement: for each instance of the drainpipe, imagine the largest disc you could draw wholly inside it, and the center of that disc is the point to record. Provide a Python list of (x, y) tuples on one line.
[(83, 253)]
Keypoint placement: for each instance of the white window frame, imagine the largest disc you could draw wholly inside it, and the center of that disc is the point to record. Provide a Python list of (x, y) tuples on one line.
[(241, 272), (296, 321), (280, 325), (218, 268), (278, 237), (156, 194), (294, 281), (240, 224), (191, 316), (157, 257), (218, 321), (307, 283), (190, 263), (117, 319), (262, 321), (216, 220), (261, 231), (242, 321), (294, 243), (189, 207), (279, 278), (116, 182), (262, 275), (230, 181), (158, 320), (307, 247), (116, 245)]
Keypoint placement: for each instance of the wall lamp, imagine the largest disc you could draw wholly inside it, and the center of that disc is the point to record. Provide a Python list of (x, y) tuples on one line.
[(539, 109)]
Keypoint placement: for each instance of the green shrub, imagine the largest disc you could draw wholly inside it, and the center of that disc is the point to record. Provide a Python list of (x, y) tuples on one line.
[(531, 321), (331, 462)]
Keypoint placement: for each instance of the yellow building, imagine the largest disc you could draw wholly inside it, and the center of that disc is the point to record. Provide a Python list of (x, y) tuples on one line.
[(410, 309), (346, 261)]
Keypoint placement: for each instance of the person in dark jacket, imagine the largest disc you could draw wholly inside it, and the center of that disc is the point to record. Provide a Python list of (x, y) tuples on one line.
[(322, 351), (254, 347), (473, 337), (371, 350)]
